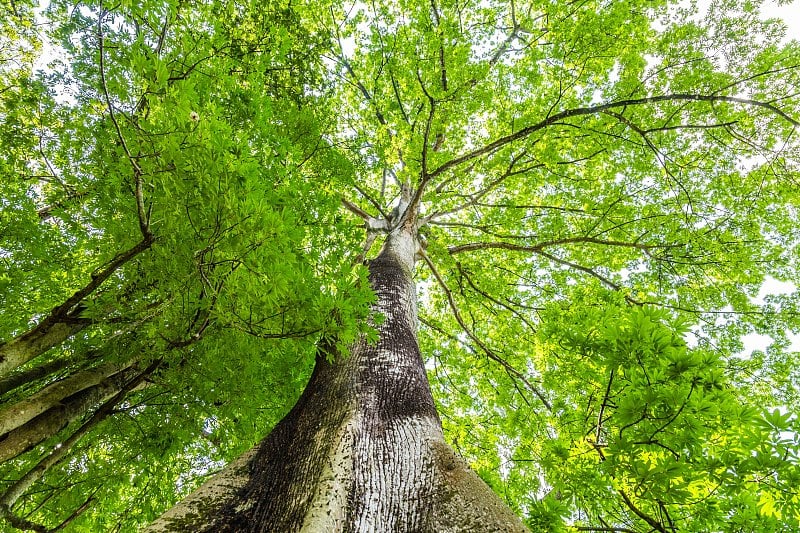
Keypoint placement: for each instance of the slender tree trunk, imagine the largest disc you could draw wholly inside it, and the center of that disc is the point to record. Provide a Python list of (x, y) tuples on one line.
[(19, 413), (9, 383), (64, 321), (63, 413), (35, 342), (362, 450)]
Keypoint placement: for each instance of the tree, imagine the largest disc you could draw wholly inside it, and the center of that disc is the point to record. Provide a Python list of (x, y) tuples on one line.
[(593, 194)]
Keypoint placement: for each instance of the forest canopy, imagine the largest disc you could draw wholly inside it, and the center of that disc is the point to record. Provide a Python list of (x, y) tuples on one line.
[(603, 189)]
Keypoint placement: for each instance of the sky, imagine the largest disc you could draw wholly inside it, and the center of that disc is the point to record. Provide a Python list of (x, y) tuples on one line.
[(789, 13), (791, 16)]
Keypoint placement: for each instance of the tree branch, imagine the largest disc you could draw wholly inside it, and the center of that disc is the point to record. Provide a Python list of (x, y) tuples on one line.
[(144, 222), (582, 111), (353, 208), (537, 248), (510, 370), (489, 297), (31, 344)]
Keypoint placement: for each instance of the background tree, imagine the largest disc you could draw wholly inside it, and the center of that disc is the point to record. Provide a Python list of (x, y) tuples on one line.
[(603, 189)]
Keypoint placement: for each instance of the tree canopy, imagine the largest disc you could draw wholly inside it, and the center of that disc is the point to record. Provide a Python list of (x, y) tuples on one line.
[(603, 189)]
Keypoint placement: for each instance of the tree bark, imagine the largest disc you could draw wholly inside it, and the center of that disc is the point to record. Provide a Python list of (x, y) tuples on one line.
[(18, 379), (64, 321), (63, 413), (362, 450), (19, 413), (35, 342)]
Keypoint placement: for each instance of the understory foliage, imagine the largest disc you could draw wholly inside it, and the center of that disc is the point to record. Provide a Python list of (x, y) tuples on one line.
[(603, 187)]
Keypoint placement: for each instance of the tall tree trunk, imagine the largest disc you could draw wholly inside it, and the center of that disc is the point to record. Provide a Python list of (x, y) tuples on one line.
[(362, 450)]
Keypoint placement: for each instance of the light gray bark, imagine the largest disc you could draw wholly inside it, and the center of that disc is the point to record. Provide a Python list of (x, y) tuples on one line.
[(22, 349), (16, 414), (362, 450), (64, 412), (58, 453)]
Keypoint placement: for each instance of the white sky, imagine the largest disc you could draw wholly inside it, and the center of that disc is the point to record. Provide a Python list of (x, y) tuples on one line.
[(791, 16), (789, 13)]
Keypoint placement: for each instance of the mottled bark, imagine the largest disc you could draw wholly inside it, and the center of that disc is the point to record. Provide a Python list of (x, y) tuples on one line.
[(34, 343), (16, 414), (362, 450), (64, 412)]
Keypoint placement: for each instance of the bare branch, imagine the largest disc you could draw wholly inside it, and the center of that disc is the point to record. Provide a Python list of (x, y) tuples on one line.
[(474, 198), (371, 200), (608, 529), (356, 81), (398, 98), (353, 208), (581, 268), (538, 247), (599, 434), (437, 20), (489, 297), (77, 512), (144, 222)]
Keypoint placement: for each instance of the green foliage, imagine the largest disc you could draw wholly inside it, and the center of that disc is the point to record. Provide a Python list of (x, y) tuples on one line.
[(201, 110), (660, 422), (604, 187)]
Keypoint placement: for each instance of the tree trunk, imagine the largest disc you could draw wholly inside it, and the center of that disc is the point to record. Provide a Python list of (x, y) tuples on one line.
[(63, 413), (19, 413), (362, 450), (18, 379), (35, 342)]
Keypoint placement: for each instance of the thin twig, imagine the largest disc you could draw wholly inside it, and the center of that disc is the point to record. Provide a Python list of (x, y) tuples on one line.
[(510, 370), (144, 222)]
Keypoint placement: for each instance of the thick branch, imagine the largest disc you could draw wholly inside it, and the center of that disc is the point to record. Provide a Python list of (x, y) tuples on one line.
[(652, 522), (19, 379), (582, 111), (63, 321), (353, 208), (60, 415)]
